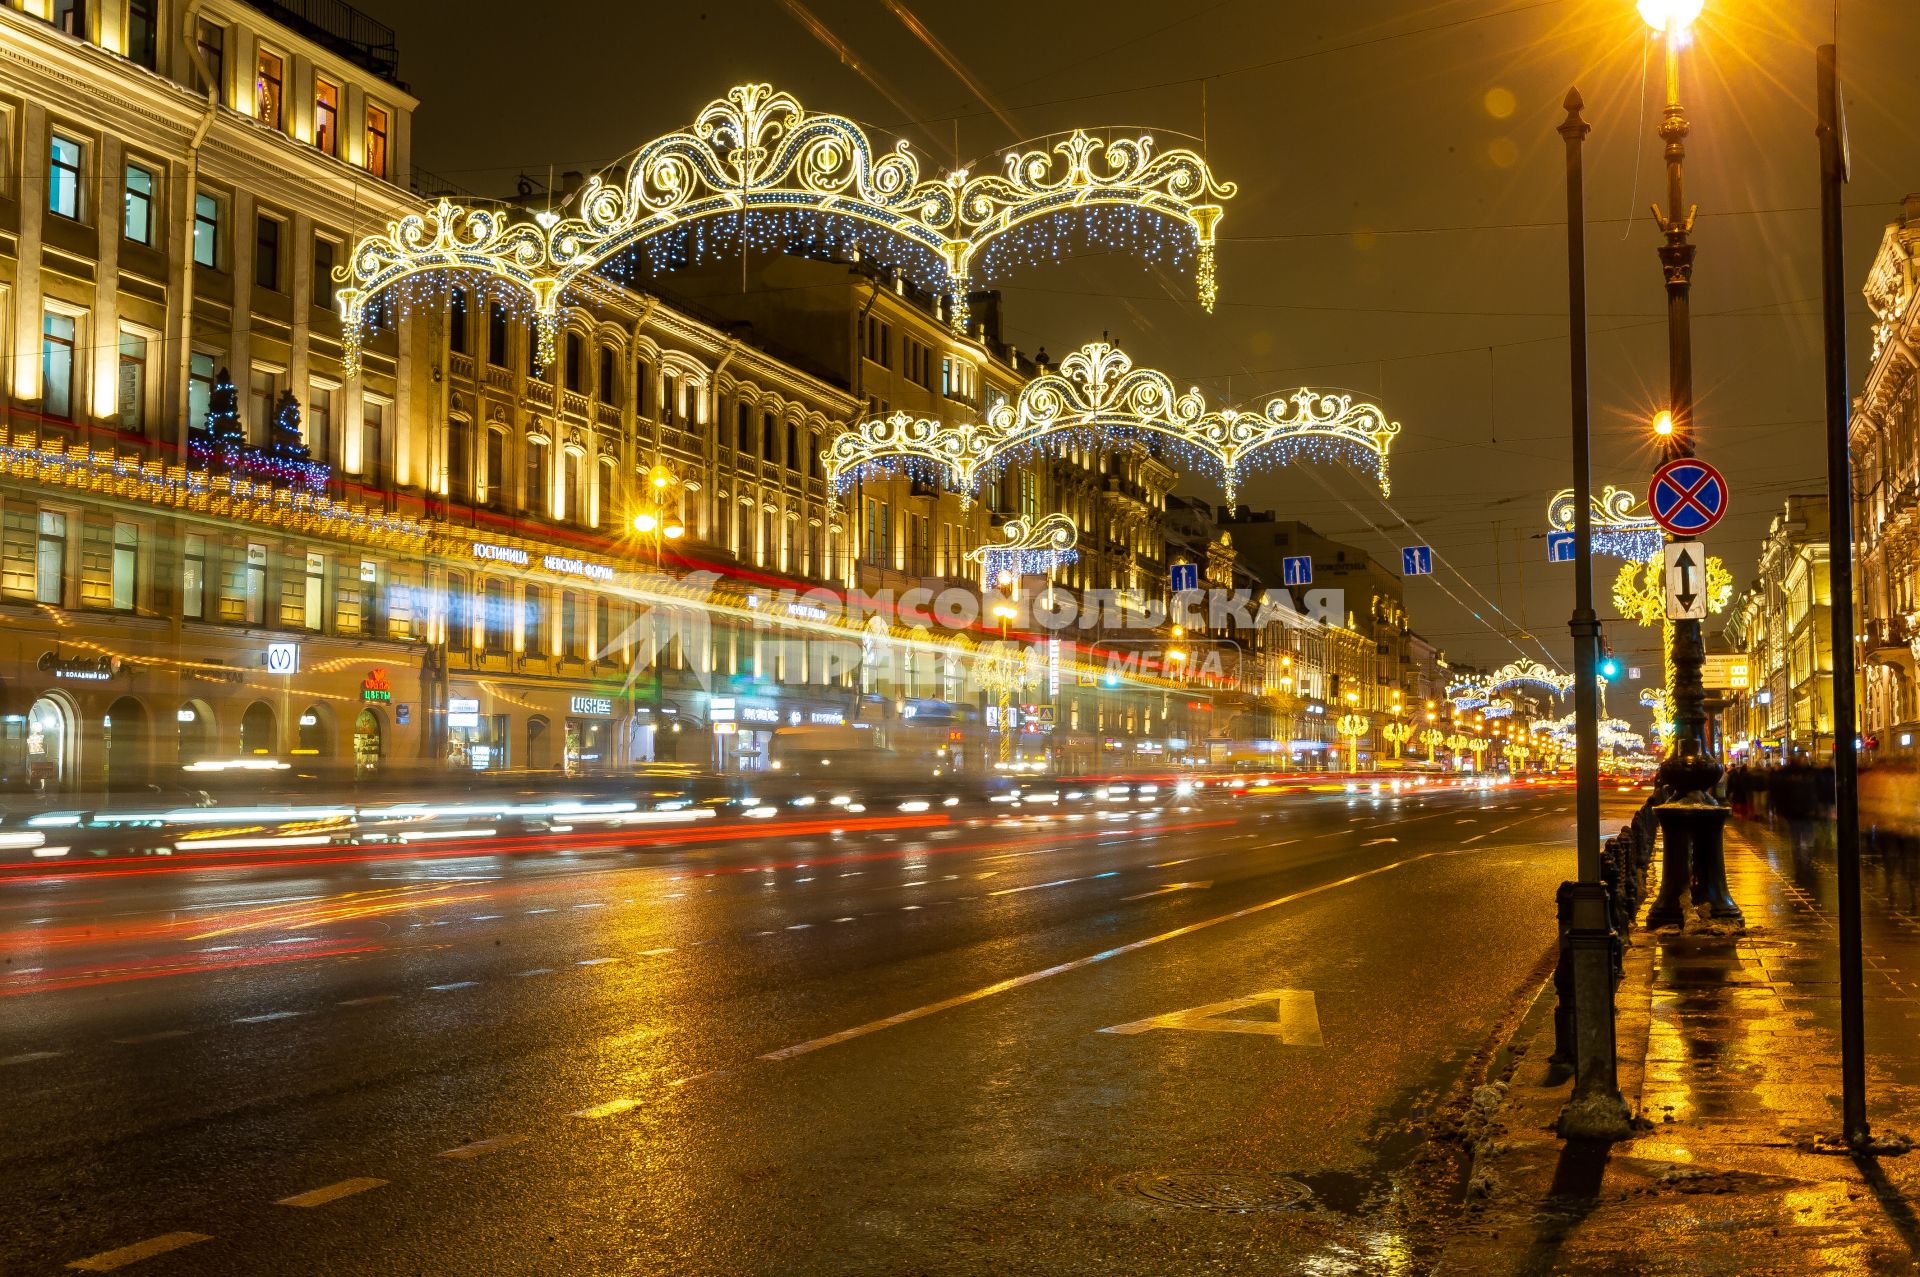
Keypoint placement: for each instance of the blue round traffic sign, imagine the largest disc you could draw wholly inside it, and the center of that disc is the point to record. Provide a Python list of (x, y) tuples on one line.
[(1688, 497)]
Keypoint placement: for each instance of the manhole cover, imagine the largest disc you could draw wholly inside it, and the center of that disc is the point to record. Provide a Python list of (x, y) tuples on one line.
[(1215, 1190)]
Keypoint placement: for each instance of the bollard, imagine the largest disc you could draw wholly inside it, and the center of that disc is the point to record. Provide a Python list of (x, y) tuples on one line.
[(1563, 1041)]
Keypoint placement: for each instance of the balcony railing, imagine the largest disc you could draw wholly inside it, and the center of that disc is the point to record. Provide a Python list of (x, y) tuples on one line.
[(1889, 639)]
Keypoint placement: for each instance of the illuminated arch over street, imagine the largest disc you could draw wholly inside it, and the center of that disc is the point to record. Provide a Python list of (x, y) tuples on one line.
[(1621, 525), (756, 168), (1527, 672), (1097, 398)]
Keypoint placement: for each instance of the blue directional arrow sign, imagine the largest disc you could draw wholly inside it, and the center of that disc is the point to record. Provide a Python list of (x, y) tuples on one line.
[(1186, 576), (1560, 547), (1297, 570), (1416, 560)]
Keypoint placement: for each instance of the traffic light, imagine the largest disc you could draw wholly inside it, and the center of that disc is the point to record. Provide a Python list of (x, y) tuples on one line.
[(1609, 668)]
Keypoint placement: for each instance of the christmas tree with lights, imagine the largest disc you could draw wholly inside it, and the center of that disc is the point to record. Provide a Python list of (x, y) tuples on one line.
[(286, 458), (219, 439)]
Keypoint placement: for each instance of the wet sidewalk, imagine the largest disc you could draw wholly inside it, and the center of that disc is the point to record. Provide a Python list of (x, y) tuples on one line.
[(1729, 1050)]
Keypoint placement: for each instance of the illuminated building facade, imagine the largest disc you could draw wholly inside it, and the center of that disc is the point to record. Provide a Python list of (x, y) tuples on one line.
[(1783, 625), (1885, 441)]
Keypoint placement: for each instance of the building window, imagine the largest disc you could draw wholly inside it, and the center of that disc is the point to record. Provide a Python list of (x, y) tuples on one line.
[(576, 357), (813, 454), (742, 429), (323, 281), (603, 492), (669, 392), (326, 116), (609, 376), (69, 16), (572, 494), (376, 141), (138, 224), (572, 632), (206, 230), (132, 389), (266, 253), (460, 459), (193, 578), (143, 25), (211, 41), (533, 622), (495, 617), (350, 596), (793, 446), (200, 373), (493, 483), (497, 335), (263, 392), (50, 560), (253, 584), (126, 566), (457, 321), (65, 159), (373, 425), (56, 364), (535, 499), (269, 84), (316, 427), (312, 592), (768, 434)]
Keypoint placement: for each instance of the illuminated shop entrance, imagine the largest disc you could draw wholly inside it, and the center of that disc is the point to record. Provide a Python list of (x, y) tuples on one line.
[(50, 743), (368, 743)]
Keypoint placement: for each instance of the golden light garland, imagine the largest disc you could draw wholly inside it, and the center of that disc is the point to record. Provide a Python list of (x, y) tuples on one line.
[(1098, 396), (1621, 525), (758, 154), (1527, 672), (1029, 548)]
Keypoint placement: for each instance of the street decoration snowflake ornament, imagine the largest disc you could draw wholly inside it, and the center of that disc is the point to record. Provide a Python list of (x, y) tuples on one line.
[(1029, 548), (1622, 527), (1098, 397), (756, 169)]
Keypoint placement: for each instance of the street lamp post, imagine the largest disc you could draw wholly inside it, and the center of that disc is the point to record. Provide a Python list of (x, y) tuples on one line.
[(1692, 820), (655, 519), (1596, 1110)]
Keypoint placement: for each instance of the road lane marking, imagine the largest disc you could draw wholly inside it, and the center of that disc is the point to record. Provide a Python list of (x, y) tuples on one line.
[(1170, 887), (1168, 864), (593, 962), (28, 1057), (108, 1260), (1033, 977), (480, 1148), (144, 1038), (457, 984), (536, 971), (331, 1192), (1375, 842), (369, 1000), (1296, 1020), (267, 1016), (843, 919), (655, 953), (1476, 838), (611, 1108)]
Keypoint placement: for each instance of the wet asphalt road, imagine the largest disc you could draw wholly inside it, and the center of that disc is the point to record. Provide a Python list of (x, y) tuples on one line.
[(789, 1052)]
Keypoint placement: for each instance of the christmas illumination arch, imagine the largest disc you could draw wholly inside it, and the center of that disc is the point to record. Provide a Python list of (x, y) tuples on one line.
[(1097, 397), (757, 168)]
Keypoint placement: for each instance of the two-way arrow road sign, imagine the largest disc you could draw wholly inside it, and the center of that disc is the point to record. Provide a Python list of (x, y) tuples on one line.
[(1686, 581)]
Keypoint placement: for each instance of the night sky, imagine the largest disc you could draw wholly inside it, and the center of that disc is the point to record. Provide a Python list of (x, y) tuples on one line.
[(1398, 229)]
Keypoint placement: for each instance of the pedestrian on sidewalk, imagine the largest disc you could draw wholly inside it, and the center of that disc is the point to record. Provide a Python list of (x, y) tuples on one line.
[(1794, 795)]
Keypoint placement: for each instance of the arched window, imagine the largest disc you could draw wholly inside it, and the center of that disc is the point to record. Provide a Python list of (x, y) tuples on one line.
[(669, 386), (533, 622), (603, 493), (573, 490), (609, 375), (493, 482), (813, 454), (538, 498), (460, 459), (576, 363), (641, 376)]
